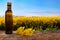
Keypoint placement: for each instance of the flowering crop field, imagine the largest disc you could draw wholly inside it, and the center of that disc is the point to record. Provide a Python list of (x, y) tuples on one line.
[(36, 22)]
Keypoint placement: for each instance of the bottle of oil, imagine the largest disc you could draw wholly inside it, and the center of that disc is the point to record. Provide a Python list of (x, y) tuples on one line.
[(8, 19)]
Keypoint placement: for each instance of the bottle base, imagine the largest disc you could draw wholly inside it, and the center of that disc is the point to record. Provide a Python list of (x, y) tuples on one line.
[(8, 32)]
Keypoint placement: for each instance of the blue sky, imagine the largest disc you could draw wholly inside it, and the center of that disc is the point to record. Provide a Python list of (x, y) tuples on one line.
[(32, 7)]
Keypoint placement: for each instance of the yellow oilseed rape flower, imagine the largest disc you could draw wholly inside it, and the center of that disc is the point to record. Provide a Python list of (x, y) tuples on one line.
[(28, 32), (20, 30)]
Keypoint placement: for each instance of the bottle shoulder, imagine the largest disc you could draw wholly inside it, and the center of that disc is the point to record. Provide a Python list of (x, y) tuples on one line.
[(8, 11)]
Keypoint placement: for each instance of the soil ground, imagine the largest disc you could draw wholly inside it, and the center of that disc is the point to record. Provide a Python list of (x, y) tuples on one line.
[(36, 36)]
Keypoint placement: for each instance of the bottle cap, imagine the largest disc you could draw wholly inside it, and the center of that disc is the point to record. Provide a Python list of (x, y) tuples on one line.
[(8, 3)]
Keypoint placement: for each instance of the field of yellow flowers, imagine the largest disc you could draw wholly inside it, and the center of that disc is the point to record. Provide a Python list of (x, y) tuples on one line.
[(36, 22)]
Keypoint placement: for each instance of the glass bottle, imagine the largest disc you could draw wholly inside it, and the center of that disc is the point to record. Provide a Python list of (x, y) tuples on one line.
[(8, 19)]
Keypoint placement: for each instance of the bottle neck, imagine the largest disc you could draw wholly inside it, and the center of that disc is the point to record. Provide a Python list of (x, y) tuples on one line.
[(9, 7)]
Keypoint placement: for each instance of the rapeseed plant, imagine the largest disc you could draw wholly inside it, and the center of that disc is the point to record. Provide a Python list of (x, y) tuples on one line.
[(20, 30), (26, 32)]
